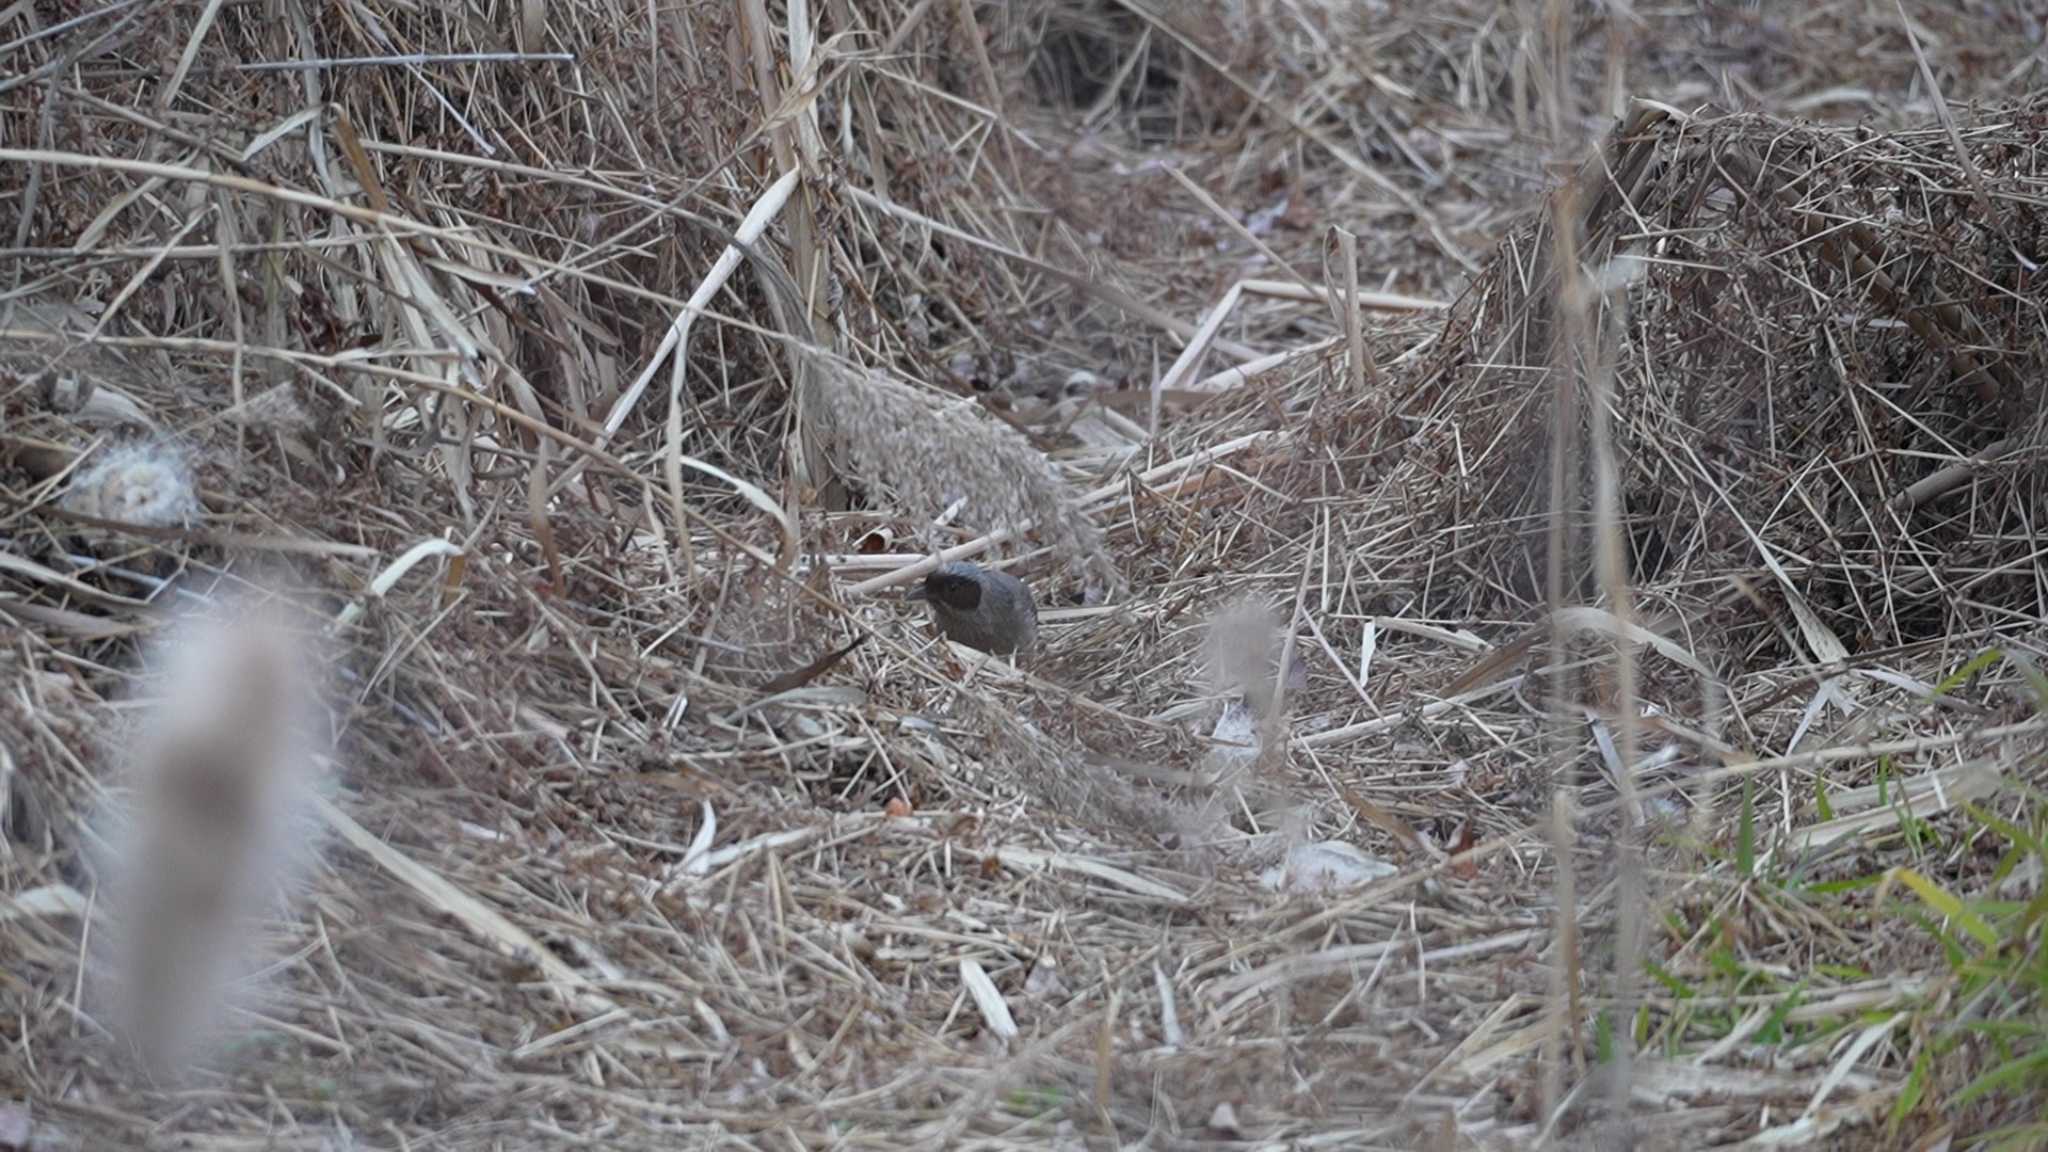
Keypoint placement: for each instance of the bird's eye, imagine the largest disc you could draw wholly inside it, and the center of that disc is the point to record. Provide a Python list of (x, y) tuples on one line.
[(960, 593)]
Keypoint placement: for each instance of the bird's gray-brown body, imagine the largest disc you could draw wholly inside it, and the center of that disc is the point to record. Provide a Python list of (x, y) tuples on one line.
[(982, 608)]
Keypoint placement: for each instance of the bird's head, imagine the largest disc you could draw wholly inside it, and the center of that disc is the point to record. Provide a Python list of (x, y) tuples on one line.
[(954, 587)]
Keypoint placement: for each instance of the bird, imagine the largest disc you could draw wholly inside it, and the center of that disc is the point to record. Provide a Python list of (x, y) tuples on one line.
[(985, 609)]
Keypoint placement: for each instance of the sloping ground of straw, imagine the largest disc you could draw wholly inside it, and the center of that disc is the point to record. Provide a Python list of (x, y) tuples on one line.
[(1812, 327), (610, 862)]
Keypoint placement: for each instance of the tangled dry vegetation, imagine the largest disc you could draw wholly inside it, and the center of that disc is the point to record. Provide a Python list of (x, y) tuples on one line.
[(591, 381)]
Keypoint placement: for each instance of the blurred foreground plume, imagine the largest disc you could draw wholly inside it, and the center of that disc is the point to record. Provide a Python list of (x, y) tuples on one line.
[(1243, 651), (218, 779), (1242, 647)]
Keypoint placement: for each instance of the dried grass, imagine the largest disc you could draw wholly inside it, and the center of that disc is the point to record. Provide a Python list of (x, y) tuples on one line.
[(1826, 330), (620, 860)]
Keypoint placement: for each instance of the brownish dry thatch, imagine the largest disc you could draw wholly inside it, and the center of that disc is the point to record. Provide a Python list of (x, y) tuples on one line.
[(612, 861), (1812, 328)]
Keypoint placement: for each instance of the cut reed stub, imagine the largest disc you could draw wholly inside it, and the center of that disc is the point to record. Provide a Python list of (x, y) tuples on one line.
[(67, 392), (213, 832)]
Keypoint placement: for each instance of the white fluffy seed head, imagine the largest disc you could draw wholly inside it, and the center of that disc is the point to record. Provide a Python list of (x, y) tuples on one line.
[(146, 483)]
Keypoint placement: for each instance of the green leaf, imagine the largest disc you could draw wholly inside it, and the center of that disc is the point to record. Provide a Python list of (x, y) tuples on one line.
[(1745, 835), (1909, 1096), (1673, 984), (1951, 948), (2005, 1074), (1944, 902), (1910, 825), (1034, 1101), (1774, 1028), (1820, 799), (1835, 887), (2036, 909), (1977, 663), (2006, 864), (2033, 676), (2020, 1138), (2002, 1031), (2020, 837)]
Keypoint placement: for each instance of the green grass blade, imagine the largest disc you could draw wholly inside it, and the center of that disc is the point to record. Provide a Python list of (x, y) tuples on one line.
[(1745, 835), (2005, 1074), (1909, 1096), (1976, 664), (1943, 901)]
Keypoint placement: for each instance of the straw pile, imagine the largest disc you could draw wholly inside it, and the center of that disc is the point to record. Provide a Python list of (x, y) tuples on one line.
[(1816, 333), (585, 385)]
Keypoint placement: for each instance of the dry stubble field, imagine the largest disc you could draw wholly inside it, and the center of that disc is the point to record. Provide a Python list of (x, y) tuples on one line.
[(1445, 439)]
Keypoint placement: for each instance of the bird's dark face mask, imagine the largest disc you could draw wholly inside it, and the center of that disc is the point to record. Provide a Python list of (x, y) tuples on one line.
[(960, 593)]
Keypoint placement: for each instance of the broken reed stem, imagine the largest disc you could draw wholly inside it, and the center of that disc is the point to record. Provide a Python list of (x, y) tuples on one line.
[(1184, 364), (677, 343), (1364, 372), (226, 236), (1108, 294), (1229, 220), (1372, 301), (756, 222), (1242, 374), (802, 138), (486, 923), (1971, 173), (760, 37), (811, 256), (998, 126), (1938, 484)]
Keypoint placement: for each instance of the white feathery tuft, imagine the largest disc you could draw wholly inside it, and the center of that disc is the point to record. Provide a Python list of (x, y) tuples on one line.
[(214, 832), (144, 482)]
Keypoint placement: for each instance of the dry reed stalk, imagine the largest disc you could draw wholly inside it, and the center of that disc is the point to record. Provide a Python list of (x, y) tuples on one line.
[(1565, 1014), (1085, 503), (1364, 373), (1602, 315), (1297, 279), (1377, 301), (1108, 293), (1191, 356)]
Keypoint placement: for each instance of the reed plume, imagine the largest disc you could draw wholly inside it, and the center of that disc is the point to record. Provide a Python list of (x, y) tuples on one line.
[(930, 452), (218, 775)]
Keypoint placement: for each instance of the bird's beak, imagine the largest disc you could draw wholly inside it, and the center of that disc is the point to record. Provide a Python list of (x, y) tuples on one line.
[(916, 592)]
